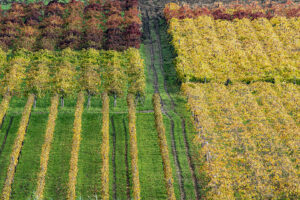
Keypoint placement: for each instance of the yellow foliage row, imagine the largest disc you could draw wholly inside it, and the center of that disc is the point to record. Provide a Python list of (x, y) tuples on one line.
[(163, 146), (4, 106), (14, 75), (47, 146), (17, 148), (75, 147), (136, 75), (290, 97), (239, 50), (247, 140), (105, 148), (133, 146)]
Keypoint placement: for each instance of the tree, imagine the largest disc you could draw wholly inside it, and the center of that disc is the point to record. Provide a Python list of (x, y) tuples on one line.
[(29, 32), (14, 74), (114, 33), (11, 23), (73, 25), (38, 76), (132, 33), (90, 74), (135, 72), (51, 26), (93, 33), (131, 4), (64, 79), (113, 75)]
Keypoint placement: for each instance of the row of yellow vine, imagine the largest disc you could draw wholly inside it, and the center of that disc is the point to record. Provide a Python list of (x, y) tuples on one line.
[(17, 148), (105, 148), (46, 147), (163, 146), (133, 146), (75, 147)]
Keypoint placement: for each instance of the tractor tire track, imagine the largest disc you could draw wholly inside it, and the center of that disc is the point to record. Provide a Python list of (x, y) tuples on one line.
[(186, 144), (6, 134), (165, 111), (113, 157), (126, 162), (146, 22)]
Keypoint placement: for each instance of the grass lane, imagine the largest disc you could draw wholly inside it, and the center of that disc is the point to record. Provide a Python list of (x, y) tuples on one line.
[(121, 178), (25, 179), (89, 163), (150, 162), (58, 165), (6, 151)]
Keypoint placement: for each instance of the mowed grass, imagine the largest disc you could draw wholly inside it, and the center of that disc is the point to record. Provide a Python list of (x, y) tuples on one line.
[(7, 148), (89, 160), (120, 180), (59, 159), (150, 162), (25, 179)]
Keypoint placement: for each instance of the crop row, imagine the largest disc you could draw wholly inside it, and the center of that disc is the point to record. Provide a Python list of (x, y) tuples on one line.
[(241, 50), (247, 140), (17, 148), (105, 148), (133, 147), (46, 147), (75, 147), (234, 10), (4, 106), (163, 146), (110, 25)]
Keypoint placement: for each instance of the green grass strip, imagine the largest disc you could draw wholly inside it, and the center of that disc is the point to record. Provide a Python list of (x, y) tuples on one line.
[(120, 166), (25, 179), (8, 146), (18, 144), (150, 162), (89, 163), (58, 165)]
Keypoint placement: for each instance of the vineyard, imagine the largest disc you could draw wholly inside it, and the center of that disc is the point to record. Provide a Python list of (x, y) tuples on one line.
[(111, 99), (239, 68)]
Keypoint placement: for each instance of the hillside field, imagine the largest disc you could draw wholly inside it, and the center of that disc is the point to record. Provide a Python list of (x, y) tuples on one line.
[(149, 100)]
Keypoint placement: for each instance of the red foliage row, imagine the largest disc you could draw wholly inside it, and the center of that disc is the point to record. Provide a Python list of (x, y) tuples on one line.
[(218, 11), (58, 26)]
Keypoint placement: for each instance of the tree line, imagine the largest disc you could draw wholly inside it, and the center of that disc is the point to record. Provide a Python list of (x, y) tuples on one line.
[(67, 72), (106, 25)]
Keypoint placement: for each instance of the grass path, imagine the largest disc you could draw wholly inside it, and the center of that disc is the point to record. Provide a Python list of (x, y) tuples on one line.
[(58, 165), (17, 147), (26, 175), (7, 147), (118, 173), (150, 161), (89, 162)]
